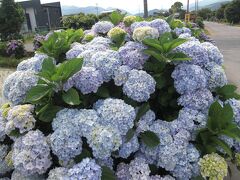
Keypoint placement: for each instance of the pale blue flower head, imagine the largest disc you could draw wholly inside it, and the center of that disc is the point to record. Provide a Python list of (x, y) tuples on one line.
[(121, 75), (213, 52), (102, 27), (139, 86), (86, 169), (18, 84), (161, 25), (31, 154), (188, 78)]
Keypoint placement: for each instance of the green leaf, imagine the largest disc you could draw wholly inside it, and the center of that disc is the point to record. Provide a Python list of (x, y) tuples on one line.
[(197, 178), (175, 43), (170, 18), (130, 134), (156, 55), (232, 131), (38, 92), (223, 145), (103, 92), (178, 56), (116, 17), (84, 154), (150, 139), (160, 80), (48, 66), (227, 92), (153, 43), (67, 69), (48, 113), (143, 109), (71, 97), (107, 174), (15, 133), (165, 38)]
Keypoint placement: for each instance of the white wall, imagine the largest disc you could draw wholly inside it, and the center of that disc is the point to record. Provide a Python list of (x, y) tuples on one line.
[(32, 17)]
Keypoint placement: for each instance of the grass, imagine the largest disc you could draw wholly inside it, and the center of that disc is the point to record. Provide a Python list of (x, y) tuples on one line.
[(10, 62)]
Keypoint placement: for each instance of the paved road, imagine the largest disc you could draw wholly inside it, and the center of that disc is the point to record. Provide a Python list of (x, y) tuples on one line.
[(228, 41)]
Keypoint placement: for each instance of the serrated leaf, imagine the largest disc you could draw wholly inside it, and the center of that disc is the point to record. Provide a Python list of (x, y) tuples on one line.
[(175, 43), (170, 18), (38, 92), (155, 54), (223, 145), (71, 97), (150, 139), (165, 38), (227, 92), (232, 131), (130, 134), (153, 43), (107, 174)]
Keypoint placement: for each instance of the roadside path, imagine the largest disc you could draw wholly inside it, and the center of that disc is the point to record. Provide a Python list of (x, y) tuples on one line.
[(228, 41)]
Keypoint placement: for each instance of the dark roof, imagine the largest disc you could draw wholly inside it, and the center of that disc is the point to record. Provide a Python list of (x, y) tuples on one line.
[(53, 4)]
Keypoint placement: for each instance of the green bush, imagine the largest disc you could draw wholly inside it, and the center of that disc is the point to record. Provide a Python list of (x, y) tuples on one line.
[(199, 22), (232, 12), (79, 21), (11, 19), (3, 48)]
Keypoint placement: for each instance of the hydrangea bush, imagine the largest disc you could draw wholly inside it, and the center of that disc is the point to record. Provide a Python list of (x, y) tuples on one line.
[(140, 100)]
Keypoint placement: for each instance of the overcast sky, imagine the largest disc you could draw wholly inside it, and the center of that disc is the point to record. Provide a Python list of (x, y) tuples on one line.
[(132, 6)]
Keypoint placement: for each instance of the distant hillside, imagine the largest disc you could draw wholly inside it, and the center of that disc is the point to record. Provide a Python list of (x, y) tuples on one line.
[(208, 3), (68, 10), (150, 12), (215, 6)]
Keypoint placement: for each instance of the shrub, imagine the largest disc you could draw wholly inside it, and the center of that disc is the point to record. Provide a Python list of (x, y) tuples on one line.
[(199, 22), (232, 12), (15, 48), (3, 48), (160, 108), (37, 41), (11, 19), (79, 21)]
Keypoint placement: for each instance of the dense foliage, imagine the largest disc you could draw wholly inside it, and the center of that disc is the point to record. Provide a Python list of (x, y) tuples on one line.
[(84, 21), (140, 100), (232, 12), (11, 19)]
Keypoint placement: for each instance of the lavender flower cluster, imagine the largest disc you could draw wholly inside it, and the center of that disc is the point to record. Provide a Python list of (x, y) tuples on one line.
[(32, 149), (15, 48)]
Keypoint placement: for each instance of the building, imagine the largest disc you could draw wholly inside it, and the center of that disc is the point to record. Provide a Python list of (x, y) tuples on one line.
[(41, 16)]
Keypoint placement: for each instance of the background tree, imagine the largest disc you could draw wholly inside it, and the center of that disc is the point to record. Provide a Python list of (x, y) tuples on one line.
[(232, 12), (205, 13), (11, 19), (220, 12), (177, 8)]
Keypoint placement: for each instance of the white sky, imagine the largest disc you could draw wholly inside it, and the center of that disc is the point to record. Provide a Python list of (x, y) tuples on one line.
[(132, 6)]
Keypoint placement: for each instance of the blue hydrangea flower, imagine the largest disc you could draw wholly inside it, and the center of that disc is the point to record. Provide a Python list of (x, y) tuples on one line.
[(104, 140), (66, 144), (87, 80), (108, 162), (127, 148), (4, 167), (139, 86), (213, 53), (59, 173), (3, 122), (107, 63), (235, 104), (145, 121), (122, 172), (198, 100), (161, 25), (195, 51), (132, 55), (18, 84), (100, 40), (139, 24), (182, 30), (121, 75), (32, 64), (116, 113), (188, 78), (87, 169), (139, 169), (17, 175), (75, 51), (102, 27), (31, 153), (216, 76), (21, 117)]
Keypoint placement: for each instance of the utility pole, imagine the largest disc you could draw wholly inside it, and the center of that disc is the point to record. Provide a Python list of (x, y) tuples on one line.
[(97, 8), (145, 4), (187, 6)]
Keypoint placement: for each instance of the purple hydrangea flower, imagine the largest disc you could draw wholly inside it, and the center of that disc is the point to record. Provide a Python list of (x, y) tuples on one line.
[(182, 30), (121, 75), (213, 52), (161, 25), (87, 80), (132, 55), (102, 27)]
